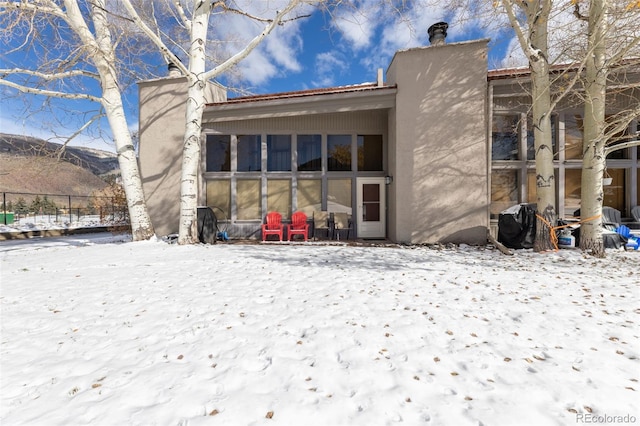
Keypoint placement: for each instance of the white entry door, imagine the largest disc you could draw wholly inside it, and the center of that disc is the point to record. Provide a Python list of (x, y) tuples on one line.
[(371, 209)]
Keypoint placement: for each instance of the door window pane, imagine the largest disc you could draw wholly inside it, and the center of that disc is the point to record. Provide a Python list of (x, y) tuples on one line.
[(573, 136), (249, 153), (309, 195), (248, 199), (279, 196), (339, 153), (370, 153), (218, 153), (371, 202), (279, 153), (219, 195), (309, 153), (504, 190), (505, 137), (339, 195)]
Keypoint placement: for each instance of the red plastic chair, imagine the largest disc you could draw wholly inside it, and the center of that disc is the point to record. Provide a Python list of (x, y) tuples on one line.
[(273, 226), (299, 226)]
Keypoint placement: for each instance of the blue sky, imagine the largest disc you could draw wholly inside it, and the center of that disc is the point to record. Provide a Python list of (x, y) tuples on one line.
[(320, 51)]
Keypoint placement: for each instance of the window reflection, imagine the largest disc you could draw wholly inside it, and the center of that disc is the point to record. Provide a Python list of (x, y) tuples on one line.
[(339, 153), (505, 137), (249, 153)]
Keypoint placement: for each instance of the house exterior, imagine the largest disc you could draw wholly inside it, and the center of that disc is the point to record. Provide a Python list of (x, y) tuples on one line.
[(430, 154)]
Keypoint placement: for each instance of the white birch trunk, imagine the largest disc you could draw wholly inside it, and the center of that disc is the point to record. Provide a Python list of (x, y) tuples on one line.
[(535, 46), (593, 155), (541, 100), (188, 233), (103, 56)]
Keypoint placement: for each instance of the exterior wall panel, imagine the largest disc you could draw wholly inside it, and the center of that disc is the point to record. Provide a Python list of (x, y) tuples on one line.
[(162, 126), (440, 142)]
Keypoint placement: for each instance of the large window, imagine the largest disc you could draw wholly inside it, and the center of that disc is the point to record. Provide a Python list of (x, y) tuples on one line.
[(573, 136), (339, 195), (249, 153), (248, 199), (572, 191), (218, 153), (279, 196), (309, 195), (279, 153), (309, 152), (504, 190), (370, 153), (219, 195), (614, 193), (339, 153), (250, 175), (505, 137)]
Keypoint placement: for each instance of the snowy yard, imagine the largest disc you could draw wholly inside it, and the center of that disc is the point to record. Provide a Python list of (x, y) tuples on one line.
[(105, 332)]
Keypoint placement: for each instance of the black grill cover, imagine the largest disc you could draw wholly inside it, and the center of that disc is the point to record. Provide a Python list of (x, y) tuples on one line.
[(517, 226), (207, 225)]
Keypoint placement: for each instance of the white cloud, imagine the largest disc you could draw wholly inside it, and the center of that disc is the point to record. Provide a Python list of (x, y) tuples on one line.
[(278, 52), (358, 25), (327, 66)]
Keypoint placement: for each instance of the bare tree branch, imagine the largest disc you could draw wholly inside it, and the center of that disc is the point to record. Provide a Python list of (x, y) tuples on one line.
[(49, 76), (51, 93)]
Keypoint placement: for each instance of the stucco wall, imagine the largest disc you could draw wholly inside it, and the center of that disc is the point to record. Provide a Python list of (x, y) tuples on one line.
[(162, 126), (438, 136)]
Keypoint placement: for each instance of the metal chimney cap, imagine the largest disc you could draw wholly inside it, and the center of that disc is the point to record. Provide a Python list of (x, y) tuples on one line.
[(437, 32), (173, 69)]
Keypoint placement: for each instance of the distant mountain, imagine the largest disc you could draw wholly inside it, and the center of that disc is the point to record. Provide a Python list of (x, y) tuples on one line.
[(96, 161), (31, 165)]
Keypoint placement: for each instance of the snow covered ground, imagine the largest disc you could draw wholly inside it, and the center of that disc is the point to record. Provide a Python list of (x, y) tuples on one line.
[(102, 331)]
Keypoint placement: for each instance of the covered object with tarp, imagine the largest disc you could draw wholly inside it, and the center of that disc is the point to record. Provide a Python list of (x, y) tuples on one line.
[(517, 226)]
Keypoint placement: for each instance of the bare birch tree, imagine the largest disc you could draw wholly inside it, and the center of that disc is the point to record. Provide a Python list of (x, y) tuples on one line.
[(533, 38), (195, 19), (78, 51)]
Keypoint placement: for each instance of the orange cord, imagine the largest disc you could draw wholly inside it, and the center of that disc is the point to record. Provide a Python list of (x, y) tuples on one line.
[(552, 229)]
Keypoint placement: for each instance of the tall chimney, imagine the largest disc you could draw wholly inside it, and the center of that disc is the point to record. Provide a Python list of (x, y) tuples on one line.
[(438, 33), (380, 80)]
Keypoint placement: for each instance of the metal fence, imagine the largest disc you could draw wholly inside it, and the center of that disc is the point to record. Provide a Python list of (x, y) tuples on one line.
[(31, 210)]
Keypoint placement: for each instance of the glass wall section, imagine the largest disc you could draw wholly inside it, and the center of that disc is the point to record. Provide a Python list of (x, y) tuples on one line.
[(339, 195), (218, 150), (309, 195), (309, 153), (248, 197), (531, 153), (573, 136), (279, 153), (572, 188), (219, 195), (505, 137), (370, 153), (279, 197), (339, 153), (249, 153), (614, 193), (504, 190)]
